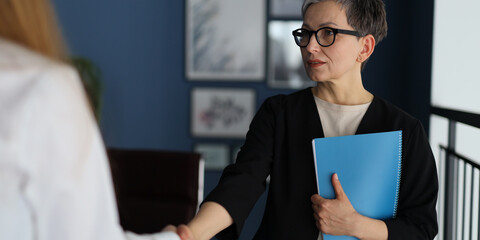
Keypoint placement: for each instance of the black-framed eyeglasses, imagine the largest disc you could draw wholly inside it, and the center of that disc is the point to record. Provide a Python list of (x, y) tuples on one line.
[(325, 36)]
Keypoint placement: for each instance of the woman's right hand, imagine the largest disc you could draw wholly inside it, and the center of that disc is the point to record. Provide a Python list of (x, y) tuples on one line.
[(184, 232)]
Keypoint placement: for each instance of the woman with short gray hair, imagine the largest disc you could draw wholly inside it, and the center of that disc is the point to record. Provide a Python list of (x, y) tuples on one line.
[(336, 39)]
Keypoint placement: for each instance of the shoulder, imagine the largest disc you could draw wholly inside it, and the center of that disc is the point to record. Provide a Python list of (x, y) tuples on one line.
[(37, 91), (15, 56), (42, 106), (390, 117), (25, 74), (290, 101), (392, 114)]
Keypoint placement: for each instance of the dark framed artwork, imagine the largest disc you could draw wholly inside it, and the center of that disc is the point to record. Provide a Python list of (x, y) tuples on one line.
[(225, 40), (290, 9), (235, 150), (215, 155), (285, 65), (221, 112)]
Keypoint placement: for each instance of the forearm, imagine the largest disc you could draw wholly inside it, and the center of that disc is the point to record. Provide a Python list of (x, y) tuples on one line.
[(370, 229), (210, 220)]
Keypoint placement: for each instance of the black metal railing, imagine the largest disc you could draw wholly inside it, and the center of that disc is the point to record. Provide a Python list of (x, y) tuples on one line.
[(461, 181)]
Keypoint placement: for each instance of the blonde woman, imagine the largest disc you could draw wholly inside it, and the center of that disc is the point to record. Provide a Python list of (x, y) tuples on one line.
[(55, 180)]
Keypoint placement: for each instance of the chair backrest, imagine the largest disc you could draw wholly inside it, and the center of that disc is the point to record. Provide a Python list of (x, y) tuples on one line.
[(156, 188)]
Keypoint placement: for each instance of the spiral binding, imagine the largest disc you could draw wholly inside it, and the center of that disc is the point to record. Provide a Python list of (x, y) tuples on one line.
[(399, 173)]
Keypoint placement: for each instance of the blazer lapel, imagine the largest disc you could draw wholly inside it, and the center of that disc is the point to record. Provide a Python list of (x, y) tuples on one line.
[(314, 122), (370, 122)]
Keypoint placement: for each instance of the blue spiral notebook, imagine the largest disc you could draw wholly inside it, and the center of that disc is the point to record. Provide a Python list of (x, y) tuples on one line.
[(368, 167)]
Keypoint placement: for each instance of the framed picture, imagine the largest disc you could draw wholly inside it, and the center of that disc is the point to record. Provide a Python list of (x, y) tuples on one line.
[(285, 65), (291, 9), (216, 156), (235, 150), (225, 40), (221, 112)]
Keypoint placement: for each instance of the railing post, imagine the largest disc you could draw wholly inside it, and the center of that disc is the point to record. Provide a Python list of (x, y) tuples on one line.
[(450, 186)]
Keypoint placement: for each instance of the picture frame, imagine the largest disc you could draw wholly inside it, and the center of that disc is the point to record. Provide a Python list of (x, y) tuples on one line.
[(285, 64), (221, 112), (286, 9), (225, 40), (216, 156), (235, 150)]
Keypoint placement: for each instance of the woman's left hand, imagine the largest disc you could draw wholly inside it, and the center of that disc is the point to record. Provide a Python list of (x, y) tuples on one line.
[(335, 216)]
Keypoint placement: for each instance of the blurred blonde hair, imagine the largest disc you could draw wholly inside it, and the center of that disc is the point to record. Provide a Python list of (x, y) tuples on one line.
[(33, 24)]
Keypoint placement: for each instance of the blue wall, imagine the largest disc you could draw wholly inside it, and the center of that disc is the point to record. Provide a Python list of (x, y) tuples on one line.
[(147, 98)]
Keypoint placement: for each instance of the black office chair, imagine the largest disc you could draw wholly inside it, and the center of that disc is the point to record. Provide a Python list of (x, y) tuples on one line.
[(156, 188)]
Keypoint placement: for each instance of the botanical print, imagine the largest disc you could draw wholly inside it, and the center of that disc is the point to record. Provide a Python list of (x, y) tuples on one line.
[(285, 65), (286, 8), (221, 111), (225, 39), (216, 156)]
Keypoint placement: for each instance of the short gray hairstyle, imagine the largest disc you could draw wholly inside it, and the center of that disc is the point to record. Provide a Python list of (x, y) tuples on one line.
[(365, 16)]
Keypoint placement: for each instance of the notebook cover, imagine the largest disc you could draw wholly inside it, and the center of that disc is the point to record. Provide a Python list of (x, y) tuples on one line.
[(368, 167)]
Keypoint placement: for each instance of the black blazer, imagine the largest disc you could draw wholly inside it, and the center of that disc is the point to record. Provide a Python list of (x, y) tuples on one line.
[(279, 143)]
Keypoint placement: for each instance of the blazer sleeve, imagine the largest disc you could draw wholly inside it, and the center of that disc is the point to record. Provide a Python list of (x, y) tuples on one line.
[(416, 214), (243, 182)]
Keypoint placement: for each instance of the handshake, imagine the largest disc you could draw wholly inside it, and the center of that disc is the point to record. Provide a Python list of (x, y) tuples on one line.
[(170, 232)]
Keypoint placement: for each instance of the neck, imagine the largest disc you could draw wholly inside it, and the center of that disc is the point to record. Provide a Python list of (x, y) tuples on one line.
[(346, 91)]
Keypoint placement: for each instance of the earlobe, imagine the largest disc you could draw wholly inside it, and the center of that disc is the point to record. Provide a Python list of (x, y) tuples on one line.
[(368, 47), (360, 58)]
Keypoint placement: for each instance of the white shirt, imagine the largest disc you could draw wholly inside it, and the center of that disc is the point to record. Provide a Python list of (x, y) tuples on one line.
[(340, 120), (55, 181)]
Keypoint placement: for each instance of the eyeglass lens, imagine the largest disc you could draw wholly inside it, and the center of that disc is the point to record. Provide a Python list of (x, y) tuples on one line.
[(325, 37)]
